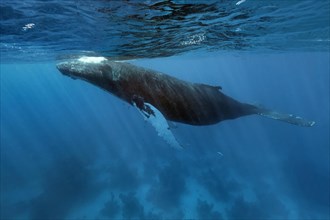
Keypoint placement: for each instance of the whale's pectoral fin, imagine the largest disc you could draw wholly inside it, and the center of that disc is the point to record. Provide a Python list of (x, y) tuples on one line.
[(289, 118), (172, 124), (158, 121), (144, 109)]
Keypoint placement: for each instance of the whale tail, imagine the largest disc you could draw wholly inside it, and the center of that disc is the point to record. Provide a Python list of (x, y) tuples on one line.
[(288, 118)]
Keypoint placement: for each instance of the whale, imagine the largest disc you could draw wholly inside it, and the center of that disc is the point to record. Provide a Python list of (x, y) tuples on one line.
[(156, 93)]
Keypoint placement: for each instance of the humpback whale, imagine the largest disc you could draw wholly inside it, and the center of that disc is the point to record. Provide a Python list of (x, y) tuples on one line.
[(154, 93)]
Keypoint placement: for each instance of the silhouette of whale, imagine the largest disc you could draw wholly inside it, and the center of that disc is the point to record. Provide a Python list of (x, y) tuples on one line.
[(177, 100)]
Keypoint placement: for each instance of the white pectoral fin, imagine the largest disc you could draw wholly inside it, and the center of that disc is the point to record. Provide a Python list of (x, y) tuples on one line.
[(159, 122)]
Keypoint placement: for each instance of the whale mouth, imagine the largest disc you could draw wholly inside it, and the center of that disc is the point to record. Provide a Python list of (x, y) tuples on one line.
[(66, 69), (80, 68), (63, 68)]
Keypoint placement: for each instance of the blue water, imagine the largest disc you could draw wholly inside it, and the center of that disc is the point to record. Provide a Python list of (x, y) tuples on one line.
[(72, 151), (44, 30)]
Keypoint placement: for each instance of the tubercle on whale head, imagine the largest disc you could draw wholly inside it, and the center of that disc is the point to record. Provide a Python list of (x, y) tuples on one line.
[(85, 68)]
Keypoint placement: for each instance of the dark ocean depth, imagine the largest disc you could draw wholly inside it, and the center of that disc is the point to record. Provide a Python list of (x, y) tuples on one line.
[(70, 150)]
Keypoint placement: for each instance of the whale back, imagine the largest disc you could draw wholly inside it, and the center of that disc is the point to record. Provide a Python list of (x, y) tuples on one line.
[(178, 100)]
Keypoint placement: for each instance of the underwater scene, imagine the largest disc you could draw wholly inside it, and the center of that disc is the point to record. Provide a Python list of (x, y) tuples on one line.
[(164, 109)]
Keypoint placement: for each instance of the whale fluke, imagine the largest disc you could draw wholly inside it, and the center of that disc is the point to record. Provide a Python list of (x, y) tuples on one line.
[(288, 118)]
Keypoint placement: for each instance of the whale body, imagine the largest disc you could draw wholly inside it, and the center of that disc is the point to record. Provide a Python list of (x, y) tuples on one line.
[(177, 100)]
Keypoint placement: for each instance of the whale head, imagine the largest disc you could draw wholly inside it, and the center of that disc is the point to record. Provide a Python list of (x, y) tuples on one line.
[(85, 68)]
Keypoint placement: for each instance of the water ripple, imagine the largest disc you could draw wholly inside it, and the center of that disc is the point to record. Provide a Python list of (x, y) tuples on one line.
[(145, 29)]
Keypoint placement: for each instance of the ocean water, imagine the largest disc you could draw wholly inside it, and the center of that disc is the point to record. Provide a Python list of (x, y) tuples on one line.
[(69, 150)]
